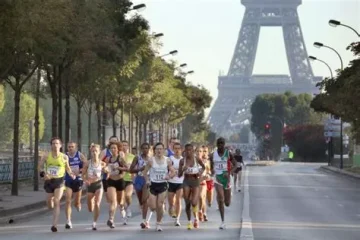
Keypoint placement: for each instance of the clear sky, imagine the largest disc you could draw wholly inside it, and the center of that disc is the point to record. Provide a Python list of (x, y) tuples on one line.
[(205, 33)]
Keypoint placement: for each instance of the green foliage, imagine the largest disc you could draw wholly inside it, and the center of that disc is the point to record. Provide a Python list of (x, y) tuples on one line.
[(341, 95), (307, 142), (279, 109), (27, 113)]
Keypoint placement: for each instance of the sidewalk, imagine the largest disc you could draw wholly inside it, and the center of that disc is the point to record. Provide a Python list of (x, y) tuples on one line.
[(27, 200), (341, 171)]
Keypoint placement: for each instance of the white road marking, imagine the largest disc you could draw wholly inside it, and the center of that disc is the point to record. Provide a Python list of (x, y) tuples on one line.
[(246, 224)]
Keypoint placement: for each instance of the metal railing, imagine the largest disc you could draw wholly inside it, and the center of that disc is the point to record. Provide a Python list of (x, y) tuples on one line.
[(26, 169)]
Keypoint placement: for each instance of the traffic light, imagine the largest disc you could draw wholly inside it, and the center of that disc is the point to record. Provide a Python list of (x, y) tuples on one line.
[(267, 128)]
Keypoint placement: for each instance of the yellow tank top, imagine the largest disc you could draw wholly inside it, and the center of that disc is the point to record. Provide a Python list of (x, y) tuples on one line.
[(128, 159), (55, 167)]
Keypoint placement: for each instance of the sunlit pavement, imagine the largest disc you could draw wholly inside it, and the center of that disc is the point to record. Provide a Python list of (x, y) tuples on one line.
[(39, 228), (297, 201)]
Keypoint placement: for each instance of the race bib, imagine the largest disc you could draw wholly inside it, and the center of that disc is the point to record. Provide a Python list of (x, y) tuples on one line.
[(113, 170), (192, 170), (75, 169), (220, 166), (160, 175), (53, 171)]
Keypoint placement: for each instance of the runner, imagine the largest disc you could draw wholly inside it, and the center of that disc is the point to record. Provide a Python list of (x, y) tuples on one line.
[(52, 167), (190, 167), (175, 191), (161, 170), (170, 149), (116, 167), (129, 157), (73, 186), (103, 155), (142, 192), (222, 165), (209, 181), (237, 174), (92, 178), (203, 154)]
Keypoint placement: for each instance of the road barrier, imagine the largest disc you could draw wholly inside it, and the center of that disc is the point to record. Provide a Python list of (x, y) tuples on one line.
[(26, 169)]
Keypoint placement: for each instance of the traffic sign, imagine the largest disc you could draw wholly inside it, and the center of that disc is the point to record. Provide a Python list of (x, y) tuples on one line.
[(328, 134)]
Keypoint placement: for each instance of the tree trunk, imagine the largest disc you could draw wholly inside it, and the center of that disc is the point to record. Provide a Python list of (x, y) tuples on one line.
[(89, 129), (15, 170), (113, 115), (54, 97), (67, 111), (104, 119), (78, 103), (36, 147), (98, 115), (130, 127), (60, 117), (122, 121), (145, 131), (137, 132)]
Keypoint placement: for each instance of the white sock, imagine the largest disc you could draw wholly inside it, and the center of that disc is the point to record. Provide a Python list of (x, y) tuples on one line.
[(94, 224), (149, 217)]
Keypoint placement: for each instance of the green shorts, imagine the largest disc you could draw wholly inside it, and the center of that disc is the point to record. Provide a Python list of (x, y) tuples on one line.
[(223, 180)]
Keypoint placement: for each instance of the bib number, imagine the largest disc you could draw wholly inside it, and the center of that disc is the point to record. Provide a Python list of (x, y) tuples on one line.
[(220, 166), (160, 176), (53, 171), (75, 169)]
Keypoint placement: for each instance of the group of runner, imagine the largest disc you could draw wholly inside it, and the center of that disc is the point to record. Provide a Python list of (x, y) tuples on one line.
[(178, 172)]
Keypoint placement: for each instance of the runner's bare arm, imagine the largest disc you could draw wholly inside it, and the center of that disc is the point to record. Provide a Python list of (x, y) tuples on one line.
[(171, 168), (67, 166), (211, 160), (83, 158), (133, 165), (146, 170), (84, 171), (201, 163), (181, 168), (123, 165), (233, 162), (42, 162)]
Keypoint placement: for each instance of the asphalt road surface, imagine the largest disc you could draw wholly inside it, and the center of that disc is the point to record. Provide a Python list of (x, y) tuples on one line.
[(298, 201), (39, 228)]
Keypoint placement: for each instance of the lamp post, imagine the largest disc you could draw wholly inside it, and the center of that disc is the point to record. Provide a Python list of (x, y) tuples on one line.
[(316, 59), (330, 142), (335, 23), (319, 45)]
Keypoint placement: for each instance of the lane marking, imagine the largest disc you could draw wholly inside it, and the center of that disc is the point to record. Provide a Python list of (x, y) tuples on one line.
[(246, 225), (299, 186)]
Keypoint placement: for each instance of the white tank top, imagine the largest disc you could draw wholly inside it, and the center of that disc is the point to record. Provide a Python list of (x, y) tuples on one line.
[(194, 169), (158, 172), (94, 171), (220, 163), (176, 163)]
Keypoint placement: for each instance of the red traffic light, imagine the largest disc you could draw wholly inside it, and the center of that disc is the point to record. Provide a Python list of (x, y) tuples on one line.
[(267, 126)]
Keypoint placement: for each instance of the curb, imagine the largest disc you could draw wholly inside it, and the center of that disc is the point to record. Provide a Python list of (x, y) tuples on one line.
[(28, 211), (261, 164), (340, 171)]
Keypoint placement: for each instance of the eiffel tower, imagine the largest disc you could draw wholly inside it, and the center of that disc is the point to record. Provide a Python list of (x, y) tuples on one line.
[(238, 89)]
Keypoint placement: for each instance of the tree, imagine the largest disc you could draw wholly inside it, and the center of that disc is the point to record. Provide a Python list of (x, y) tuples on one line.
[(341, 94), (279, 109), (307, 142), (27, 112)]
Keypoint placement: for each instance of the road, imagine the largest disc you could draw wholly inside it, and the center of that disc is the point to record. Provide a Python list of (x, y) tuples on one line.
[(39, 228), (297, 201)]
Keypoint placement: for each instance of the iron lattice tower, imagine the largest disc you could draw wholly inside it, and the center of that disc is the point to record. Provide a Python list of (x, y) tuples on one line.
[(240, 86)]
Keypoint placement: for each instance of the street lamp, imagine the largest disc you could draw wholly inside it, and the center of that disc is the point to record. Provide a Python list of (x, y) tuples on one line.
[(139, 7), (174, 52), (319, 45), (316, 59), (158, 35), (335, 23)]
